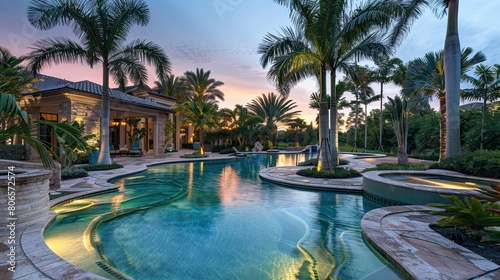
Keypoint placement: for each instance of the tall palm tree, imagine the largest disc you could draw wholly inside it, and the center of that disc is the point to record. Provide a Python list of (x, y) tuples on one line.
[(201, 87), (452, 74), (173, 86), (200, 114), (297, 124), (275, 110), (329, 34), (425, 77), (398, 107), (244, 123), (384, 74), (102, 27), (486, 88)]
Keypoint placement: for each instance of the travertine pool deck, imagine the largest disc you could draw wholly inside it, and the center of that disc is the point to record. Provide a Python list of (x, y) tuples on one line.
[(400, 233)]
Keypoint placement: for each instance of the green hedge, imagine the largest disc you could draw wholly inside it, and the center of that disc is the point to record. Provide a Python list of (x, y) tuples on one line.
[(13, 152), (337, 173), (101, 167), (484, 163), (313, 161), (226, 151), (218, 148), (73, 172)]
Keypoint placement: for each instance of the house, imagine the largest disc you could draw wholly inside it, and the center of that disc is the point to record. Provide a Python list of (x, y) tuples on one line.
[(62, 100)]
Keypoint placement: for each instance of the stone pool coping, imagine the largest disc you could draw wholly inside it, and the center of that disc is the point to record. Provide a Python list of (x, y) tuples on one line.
[(403, 236), (37, 261)]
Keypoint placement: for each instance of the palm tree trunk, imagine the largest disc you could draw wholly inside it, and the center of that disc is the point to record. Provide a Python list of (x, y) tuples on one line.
[(366, 127), (324, 159), (200, 137), (381, 123), (355, 145), (482, 125), (104, 156), (442, 126), (452, 59), (334, 124)]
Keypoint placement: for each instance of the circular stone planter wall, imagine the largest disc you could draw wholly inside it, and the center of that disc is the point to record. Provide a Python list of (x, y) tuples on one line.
[(28, 198), (383, 190)]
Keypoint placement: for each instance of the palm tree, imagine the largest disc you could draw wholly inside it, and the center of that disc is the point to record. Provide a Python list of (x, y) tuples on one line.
[(201, 114), (425, 77), (486, 88), (329, 34), (102, 27), (274, 110), (297, 124), (201, 87), (366, 98), (244, 123), (452, 74), (384, 74), (399, 114), (173, 86)]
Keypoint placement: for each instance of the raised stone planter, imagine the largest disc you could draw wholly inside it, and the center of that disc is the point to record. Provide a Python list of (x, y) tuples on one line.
[(28, 197)]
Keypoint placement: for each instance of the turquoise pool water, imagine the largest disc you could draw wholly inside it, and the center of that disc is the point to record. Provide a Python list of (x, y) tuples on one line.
[(216, 220)]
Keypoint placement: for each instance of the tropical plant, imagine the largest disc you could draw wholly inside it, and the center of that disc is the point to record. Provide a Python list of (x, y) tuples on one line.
[(134, 133), (173, 86), (275, 110), (425, 77), (169, 129), (201, 87), (14, 77), (384, 73), (329, 34), (469, 213), (102, 28), (297, 124), (486, 88), (245, 124), (399, 114), (201, 114), (70, 144)]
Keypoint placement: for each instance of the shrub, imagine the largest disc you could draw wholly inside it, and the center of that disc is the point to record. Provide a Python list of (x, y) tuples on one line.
[(73, 172), (395, 166), (479, 163), (101, 167), (187, 145), (226, 151), (13, 152), (312, 162), (470, 214), (194, 155), (218, 148), (83, 158), (337, 173)]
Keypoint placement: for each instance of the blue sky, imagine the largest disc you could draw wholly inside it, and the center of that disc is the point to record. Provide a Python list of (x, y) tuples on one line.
[(223, 35)]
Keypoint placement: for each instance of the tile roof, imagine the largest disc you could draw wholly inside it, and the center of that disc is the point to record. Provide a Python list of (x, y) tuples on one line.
[(53, 83)]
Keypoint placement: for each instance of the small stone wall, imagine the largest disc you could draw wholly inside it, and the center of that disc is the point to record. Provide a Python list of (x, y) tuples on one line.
[(54, 180), (24, 195)]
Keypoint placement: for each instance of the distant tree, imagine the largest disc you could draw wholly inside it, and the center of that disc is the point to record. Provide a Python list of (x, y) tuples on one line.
[(274, 110), (486, 88), (173, 86), (425, 77), (201, 87)]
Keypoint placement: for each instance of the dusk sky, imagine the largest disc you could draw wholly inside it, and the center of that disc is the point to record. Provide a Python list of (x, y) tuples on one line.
[(223, 36)]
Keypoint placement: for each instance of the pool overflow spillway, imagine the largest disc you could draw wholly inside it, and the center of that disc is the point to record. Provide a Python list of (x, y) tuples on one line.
[(403, 187), (215, 220)]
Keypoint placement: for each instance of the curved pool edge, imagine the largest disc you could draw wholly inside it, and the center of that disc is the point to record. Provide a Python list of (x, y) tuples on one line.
[(403, 236), (41, 260), (388, 192)]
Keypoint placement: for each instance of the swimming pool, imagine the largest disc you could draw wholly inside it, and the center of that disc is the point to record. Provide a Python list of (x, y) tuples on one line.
[(216, 220)]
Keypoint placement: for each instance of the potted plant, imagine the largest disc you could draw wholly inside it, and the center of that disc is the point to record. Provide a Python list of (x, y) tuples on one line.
[(169, 134)]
